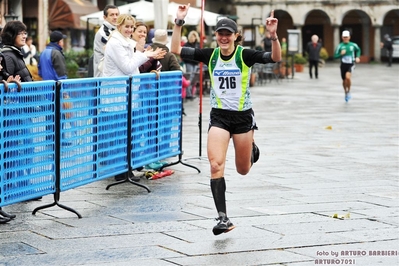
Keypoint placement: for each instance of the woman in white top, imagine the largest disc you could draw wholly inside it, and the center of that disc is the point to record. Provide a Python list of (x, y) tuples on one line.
[(29, 52), (120, 56)]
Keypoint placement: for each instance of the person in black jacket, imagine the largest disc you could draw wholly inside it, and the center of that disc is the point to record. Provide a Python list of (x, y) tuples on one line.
[(14, 38), (313, 50), (387, 45), (4, 216)]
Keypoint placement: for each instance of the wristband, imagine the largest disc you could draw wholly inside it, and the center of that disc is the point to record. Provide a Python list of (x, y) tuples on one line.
[(274, 39), (179, 22)]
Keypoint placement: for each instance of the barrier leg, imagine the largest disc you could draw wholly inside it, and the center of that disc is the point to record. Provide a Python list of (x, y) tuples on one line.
[(5, 214), (129, 178), (56, 203), (180, 161)]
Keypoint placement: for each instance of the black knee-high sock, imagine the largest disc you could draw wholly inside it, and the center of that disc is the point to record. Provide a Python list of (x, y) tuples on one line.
[(218, 187)]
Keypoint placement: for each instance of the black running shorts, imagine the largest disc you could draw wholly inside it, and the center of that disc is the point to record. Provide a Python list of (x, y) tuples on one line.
[(235, 122), (346, 68)]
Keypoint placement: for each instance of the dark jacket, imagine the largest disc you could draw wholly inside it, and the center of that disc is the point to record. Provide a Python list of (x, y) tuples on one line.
[(150, 65), (52, 64), (169, 62), (388, 44), (13, 63), (192, 45), (313, 51)]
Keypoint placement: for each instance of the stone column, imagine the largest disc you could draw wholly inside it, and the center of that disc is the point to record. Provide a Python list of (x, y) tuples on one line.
[(377, 41), (337, 36), (42, 27)]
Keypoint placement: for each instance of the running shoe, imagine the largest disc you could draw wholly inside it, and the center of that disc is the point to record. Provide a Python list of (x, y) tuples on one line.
[(255, 153), (349, 96), (224, 225)]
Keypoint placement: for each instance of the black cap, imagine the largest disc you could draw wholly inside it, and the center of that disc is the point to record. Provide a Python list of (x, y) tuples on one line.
[(57, 36), (227, 24)]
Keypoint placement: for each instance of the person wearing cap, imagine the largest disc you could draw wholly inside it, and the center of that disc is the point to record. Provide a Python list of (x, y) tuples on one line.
[(349, 54), (387, 45), (52, 65), (160, 40), (231, 116)]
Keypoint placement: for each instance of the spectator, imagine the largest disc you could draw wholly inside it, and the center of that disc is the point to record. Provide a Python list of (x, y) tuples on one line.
[(183, 40), (121, 58), (52, 64), (29, 52), (14, 37), (4, 216), (284, 44), (169, 62), (31, 58), (193, 41), (387, 45), (313, 50), (111, 14), (267, 42), (139, 36)]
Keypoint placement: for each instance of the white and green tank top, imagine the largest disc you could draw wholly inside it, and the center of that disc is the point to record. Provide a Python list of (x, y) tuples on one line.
[(230, 82)]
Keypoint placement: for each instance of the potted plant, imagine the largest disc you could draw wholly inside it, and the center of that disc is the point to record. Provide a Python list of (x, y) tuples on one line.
[(323, 56), (299, 62)]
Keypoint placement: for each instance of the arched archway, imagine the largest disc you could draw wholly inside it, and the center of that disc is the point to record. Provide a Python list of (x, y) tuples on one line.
[(285, 22), (359, 25), (319, 23), (391, 23)]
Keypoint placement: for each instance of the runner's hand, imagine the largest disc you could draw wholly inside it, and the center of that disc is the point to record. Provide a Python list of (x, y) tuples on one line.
[(182, 11), (271, 23)]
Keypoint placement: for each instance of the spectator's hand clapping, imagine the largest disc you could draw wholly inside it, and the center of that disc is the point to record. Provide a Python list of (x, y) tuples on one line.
[(140, 45), (158, 53)]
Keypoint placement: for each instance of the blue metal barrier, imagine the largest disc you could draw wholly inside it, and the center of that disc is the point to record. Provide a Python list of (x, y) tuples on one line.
[(27, 141), (59, 136), (93, 129), (156, 118)]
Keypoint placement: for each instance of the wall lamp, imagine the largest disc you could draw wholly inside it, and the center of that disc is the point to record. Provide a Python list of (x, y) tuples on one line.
[(10, 16)]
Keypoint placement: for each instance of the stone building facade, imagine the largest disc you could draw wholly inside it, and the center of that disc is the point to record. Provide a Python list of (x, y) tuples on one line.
[(368, 20)]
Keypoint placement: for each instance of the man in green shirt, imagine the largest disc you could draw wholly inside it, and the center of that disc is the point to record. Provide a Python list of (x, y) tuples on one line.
[(349, 52)]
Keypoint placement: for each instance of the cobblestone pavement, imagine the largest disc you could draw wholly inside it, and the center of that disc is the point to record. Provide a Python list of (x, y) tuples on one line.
[(325, 190)]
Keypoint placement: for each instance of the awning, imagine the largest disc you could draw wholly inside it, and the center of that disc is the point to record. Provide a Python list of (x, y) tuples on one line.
[(65, 14)]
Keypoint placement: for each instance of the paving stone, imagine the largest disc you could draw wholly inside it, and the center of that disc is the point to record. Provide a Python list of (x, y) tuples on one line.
[(282, 209)]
